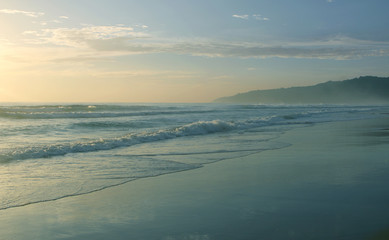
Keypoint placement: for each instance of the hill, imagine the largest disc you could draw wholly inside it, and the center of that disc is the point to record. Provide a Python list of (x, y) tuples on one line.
[(362, 90)]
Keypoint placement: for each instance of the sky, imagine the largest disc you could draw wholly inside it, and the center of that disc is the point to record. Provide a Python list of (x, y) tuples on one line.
[(184, 50)]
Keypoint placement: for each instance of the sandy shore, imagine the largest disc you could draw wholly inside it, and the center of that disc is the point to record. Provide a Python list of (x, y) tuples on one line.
[(332, 183)]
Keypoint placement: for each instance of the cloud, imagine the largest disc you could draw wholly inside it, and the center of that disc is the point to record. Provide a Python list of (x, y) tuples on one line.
[(121, 40), (318, 50), (42, 23), (330, 1), (258, 17), (145, 73), (45, 23), (142, 26), (25, 13), (245, 17), (63, 17), (254, 50), (87, 35)]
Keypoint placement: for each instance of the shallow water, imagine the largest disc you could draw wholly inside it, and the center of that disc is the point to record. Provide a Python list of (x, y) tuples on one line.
[(51, 151)]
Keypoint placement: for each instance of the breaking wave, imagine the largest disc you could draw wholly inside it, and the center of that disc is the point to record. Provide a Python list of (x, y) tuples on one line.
[(196, 128)]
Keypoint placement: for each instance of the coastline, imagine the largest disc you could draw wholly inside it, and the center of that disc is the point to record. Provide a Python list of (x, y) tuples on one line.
[(330, 184)]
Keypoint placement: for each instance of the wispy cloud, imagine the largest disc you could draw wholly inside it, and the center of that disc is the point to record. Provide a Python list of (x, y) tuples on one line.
[(42, 23), (245, 17), (318, 50), (141, 26), (145, 73), (258, 17), (63, 17), (25, 13), (85, 36), (122, 40), (330, 1), (45, 23)]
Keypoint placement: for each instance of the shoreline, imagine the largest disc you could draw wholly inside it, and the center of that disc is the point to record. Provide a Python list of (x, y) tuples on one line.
[(201, 165), (320, 187)]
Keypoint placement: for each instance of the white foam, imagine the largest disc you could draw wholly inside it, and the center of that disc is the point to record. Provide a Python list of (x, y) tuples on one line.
[(301, 115), (192, 129)]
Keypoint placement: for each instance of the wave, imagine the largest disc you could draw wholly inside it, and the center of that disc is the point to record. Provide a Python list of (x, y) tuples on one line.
[(85, 111), (113, 124), (192, 129), (88, 114), (196, 128), (112, 111)]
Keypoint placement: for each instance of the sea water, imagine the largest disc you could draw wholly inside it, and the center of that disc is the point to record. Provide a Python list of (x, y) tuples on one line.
[(52, 151)]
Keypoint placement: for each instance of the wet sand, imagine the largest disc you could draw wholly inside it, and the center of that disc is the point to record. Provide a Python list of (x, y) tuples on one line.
[(332, 183)]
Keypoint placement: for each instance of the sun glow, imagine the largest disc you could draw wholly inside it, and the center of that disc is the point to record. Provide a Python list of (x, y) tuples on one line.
[(48, 53)]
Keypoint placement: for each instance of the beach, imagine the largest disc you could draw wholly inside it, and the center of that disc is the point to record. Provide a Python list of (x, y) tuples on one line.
[(330, 183)]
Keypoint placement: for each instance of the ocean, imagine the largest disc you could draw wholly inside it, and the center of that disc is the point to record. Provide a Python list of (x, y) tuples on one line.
[(52, 151)]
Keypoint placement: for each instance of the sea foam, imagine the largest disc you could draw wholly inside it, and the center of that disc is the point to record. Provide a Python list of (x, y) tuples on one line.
[(48, 152), (192, 129)]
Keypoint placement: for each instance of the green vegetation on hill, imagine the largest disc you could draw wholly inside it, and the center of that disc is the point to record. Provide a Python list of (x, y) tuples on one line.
[(362, 90)]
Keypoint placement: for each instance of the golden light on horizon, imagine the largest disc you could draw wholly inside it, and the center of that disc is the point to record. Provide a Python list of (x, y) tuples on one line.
[(48, 54)]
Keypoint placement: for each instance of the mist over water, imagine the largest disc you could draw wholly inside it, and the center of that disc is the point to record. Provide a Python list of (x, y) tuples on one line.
[(49, 152)]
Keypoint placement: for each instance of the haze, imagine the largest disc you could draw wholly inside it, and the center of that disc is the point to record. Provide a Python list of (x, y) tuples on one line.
[(183, 51)]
